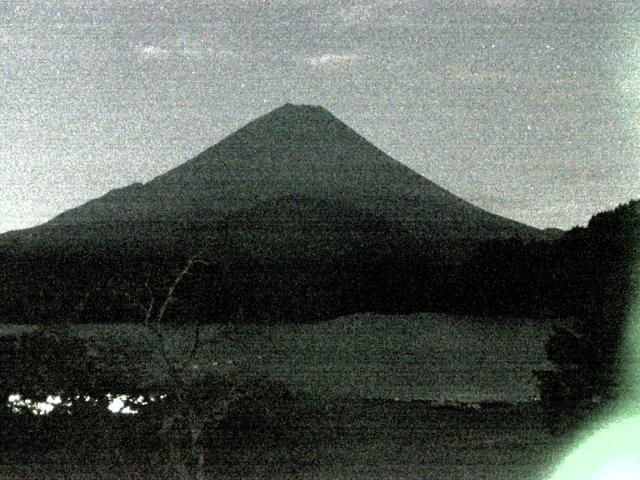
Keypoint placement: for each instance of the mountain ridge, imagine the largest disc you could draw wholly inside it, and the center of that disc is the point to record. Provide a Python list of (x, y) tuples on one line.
[(296, 150)]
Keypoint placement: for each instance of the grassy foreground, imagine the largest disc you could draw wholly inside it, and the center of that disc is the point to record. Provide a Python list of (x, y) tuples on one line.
[(351, 439)]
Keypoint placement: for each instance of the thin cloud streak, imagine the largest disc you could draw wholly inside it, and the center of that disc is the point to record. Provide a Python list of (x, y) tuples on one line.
[(157, 52), (333, 59)]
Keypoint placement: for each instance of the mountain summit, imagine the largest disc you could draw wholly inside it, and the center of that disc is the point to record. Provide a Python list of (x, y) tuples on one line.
[(292, 152)]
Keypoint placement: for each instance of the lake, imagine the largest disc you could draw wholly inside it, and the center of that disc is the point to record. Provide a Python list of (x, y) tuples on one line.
[(431, 356)]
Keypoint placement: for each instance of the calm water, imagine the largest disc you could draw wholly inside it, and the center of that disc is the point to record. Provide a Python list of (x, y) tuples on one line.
[(421, 356)]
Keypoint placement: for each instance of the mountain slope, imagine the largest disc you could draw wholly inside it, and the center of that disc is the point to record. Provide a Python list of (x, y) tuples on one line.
[(303, 151)]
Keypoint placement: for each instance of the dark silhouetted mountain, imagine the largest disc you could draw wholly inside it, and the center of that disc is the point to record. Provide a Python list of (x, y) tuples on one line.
[(299, 216), (300, 151)]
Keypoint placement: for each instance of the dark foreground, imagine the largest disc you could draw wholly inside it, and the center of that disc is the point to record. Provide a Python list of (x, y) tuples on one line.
[(351, 439)]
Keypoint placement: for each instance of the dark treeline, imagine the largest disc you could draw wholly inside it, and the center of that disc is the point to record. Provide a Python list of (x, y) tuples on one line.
[(585, 272), (600, 262), (322, 270)]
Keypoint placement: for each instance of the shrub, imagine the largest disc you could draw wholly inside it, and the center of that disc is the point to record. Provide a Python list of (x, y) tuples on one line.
[(51, 361)]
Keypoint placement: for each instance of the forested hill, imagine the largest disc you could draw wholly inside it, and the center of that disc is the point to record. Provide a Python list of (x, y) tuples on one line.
[(590, 271)]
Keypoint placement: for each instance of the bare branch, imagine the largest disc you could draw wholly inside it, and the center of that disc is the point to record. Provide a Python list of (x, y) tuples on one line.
[(172, 288), (147, 309), (195, 346), (153, 323)]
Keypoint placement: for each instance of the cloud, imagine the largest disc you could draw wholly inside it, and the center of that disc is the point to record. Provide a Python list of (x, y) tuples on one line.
[(156, 52), (332, 59), (152, 52)]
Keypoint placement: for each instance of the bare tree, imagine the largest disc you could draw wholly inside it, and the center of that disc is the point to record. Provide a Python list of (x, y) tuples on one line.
[(185, 413)]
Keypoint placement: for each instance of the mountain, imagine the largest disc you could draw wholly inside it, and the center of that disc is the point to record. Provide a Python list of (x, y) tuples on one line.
[(299, 216), (301, 151)]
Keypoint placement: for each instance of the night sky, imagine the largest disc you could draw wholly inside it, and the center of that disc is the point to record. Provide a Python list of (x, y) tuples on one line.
[(527, 109)]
